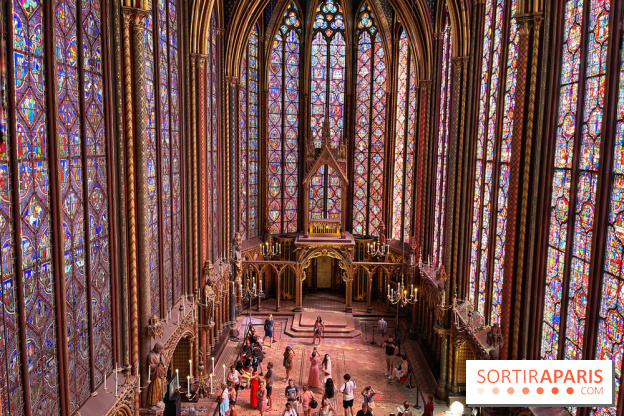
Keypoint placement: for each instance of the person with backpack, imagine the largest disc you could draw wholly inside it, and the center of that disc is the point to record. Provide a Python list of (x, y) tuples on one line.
[(347, 394), (292, 394), (289, 354)]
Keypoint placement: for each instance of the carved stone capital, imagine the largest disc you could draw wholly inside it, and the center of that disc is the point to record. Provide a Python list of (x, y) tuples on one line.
[(155, 329)]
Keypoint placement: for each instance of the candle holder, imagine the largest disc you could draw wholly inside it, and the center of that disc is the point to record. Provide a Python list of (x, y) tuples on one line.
[(271, 249), (401, 298), (377, 250), (250, 292)]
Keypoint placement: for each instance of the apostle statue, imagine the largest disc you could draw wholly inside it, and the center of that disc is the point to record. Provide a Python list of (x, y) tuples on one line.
[(382, 232), (157, 376), (237, 255)]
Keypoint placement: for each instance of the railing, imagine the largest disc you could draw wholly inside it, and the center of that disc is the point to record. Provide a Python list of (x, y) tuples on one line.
[(327, 227)]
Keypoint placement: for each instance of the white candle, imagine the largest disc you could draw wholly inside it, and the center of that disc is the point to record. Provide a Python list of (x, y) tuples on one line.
[(115, 383), (139, 382), (104, 381), (188, 384), (388, 290), (211, 383), (149, 374), (191, 368), (224, 373), (178, 378), (212, 358), (183, 307), (412, 289), (260, 285)]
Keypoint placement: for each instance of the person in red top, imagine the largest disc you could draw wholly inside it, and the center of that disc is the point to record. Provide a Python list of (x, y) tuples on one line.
[(429, 407)]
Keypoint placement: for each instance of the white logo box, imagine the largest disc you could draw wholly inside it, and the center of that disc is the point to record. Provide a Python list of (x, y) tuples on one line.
[(540, 383)]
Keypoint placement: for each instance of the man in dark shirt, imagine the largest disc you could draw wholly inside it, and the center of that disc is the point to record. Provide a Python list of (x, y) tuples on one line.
[(364, 411), (269, 377), (391, 349)]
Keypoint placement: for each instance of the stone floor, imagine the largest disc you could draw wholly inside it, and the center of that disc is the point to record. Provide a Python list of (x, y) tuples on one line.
[(364, 361)]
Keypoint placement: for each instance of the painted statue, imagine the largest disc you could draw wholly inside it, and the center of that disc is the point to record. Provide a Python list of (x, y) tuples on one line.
[(157, 376)]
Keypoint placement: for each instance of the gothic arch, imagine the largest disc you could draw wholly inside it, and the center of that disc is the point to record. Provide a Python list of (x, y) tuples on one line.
[(201, 13), (460, 24), (344, 262)]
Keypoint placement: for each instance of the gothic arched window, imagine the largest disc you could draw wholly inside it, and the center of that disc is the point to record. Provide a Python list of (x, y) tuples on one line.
[(443, 140), (213, 140), (164, 154), (493, 151), (328, 72), (29, 174), (370, 126), (248, 139), (283, 146), (405, 143)]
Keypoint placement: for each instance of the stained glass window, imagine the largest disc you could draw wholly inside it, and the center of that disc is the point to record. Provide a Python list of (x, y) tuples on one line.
[(498, 80), (283, 125), (405, 142), (443, 140), (213, 139), (248, 139), (610, 344), (328, 72), (574, 195), (164, 153), (370, 126), (33, 181), (325, 194)]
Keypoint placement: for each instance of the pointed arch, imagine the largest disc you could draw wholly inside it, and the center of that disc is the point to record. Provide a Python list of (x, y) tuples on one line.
[(283, 123), (370, 124)]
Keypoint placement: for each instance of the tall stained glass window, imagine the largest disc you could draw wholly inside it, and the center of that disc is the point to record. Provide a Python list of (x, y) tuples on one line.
[(405, 143), (213, 140), (444, 125), (248, 134), (25, 167), (328, 72), (493, 151), (370, 126), (575, 175), (283, 124), (164, 154)]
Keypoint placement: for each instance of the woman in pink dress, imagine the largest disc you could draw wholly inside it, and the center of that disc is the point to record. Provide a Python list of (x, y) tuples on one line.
[(313, 379), (261, 394)]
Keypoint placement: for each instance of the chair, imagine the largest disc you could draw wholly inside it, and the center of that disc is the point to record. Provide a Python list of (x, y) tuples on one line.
[(406, 379)]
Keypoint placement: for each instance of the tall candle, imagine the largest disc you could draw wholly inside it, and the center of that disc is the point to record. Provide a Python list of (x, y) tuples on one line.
[(178, 378), (188, 384), (211, 383), (104, 381), (115, 383), (212, 365), (224, 373), (149, 374), (183, 307), (260, 284), (191, 368)]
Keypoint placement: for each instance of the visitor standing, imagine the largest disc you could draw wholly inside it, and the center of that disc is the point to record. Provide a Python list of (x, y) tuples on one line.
[(326, 409), (406, 409), (233, 411), (289, 411), (223, 400), (331, 393), (292, 394), (429, 407), (268, 329), (347, 394), (364, 411), (289, 354), (262, 398), (383, 329), (326, 369), (391, 349), (253, 398), (269, 377), (368, 393), (306, 399), (313, 379), (319, 328)]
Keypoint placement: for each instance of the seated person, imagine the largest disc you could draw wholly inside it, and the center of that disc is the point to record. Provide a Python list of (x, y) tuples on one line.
[(400, 370), (245, 375)]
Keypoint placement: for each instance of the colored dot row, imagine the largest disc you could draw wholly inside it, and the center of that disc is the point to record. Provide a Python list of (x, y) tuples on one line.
[(525, 390)]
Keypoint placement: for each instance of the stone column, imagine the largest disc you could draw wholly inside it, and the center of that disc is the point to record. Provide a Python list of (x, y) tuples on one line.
[(349, 294), (298, 292), (278, 291), (369, 296), (142, 195)]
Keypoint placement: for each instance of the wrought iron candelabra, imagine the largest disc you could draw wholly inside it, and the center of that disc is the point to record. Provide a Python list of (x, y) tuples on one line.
[(377, 250), (271, 249), (250, 291)]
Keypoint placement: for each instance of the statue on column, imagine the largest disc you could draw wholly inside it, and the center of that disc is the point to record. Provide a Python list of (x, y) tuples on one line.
[(237, 256), (382, 232), (267, 228), (157, 375)]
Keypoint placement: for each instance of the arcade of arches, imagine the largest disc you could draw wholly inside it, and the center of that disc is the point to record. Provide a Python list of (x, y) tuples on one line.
[(173, 171)]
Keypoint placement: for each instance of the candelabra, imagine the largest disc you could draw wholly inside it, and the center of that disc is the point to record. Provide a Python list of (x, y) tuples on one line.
[(271, 249), (401, 297), (377, 249), (251, 291)]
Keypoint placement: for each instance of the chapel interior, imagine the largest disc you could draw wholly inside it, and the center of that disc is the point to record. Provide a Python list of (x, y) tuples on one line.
[(176, 172)]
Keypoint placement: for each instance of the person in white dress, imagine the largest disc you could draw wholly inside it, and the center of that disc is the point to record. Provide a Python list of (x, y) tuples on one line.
[(326, 369)]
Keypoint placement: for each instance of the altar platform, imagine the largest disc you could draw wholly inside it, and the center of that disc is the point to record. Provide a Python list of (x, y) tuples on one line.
[(344, 239), (337, 324)]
